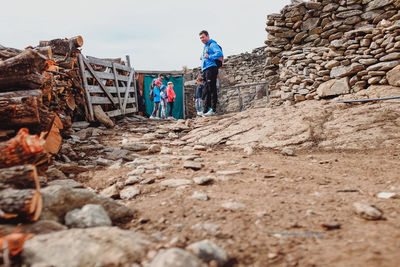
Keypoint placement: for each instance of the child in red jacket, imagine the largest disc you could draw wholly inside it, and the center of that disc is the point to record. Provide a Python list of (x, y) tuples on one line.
[(171, 98)]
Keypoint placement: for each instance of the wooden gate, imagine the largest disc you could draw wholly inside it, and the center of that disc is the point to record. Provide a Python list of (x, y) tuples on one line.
[(109, 84)]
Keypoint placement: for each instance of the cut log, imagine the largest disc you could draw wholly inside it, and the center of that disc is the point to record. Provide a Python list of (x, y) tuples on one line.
[(29, 61), (45, 51), (19, 109), (63, 46), (8, 52), (53, 137), (22, 149), (66, 63), (102, 117), (18, 82), (19, 177), (25, 204)]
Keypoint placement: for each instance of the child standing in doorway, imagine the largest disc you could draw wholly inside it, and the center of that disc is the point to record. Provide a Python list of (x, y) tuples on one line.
[(199, 95), (157, 99), (164, 100), (171, 98)]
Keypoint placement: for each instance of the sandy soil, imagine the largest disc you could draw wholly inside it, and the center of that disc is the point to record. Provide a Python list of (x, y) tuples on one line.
[(286, 200)]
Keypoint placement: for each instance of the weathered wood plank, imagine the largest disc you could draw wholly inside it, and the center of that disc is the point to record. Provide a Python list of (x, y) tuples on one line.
[(118, 112), (107, 63), (117, 85), (85, 87), (96, 89), (127, 90), (106, 76), (99, 100)]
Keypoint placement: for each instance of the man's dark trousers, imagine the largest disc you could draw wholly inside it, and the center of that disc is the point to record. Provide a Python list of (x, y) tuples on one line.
[(211, 97)]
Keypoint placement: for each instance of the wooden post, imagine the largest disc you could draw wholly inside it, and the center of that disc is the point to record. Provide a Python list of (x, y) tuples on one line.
[(128, 86), (86, 87), (117, 85)]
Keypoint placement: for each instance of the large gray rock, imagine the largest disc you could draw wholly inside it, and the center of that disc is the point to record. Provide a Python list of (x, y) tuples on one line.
[(376, 4), (384, 65), (117, 153), (136, 147), (391, 56), (192, 165), (344, 71), (129, 192), (58, 200), (393, 76), (208, 251), (310, 23), (100, 246), (111, 191), (176, 257), (89, 215), (334, 87)]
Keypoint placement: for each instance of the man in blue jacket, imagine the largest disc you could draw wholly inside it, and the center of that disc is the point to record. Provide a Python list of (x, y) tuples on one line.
[(211, 52)]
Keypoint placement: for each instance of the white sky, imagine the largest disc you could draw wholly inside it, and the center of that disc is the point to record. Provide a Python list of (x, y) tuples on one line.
[(158, 35)]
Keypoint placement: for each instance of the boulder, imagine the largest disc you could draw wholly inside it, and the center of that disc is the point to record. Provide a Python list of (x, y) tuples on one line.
[(393, 76), (334, 87), (376, 4), (99, 246), (176, 257), (89, 215), (208, 251), (129, 192), (136, 147), (58, 200), (344, 71)]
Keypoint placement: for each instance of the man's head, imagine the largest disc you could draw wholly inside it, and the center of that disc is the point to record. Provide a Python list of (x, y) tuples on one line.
[(160, 77), (199, 80), (204, 37)]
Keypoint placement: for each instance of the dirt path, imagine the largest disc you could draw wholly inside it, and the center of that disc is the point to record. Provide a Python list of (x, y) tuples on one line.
[(270, 209)]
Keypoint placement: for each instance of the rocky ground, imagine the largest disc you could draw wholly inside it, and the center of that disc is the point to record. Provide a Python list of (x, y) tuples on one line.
[(312, 184)]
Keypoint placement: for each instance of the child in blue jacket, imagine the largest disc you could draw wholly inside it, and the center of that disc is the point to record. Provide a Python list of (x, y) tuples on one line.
[(157, 99)]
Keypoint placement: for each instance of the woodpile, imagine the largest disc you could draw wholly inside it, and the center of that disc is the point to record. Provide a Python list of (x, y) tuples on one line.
[(40, 95), (40, 88)]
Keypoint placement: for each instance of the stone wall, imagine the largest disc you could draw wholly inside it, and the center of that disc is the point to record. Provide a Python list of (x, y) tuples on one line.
[(238, 69), (324, 48), (242, 73)]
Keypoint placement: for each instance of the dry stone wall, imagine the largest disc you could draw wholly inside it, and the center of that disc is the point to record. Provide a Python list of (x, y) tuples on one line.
[(324, 48), (238, 81)]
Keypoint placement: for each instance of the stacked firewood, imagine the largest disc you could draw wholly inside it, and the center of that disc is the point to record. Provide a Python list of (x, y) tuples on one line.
[(40, 83), (40, 94)]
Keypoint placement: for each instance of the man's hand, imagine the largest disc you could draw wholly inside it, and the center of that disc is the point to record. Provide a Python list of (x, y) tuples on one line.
[(206, 56)]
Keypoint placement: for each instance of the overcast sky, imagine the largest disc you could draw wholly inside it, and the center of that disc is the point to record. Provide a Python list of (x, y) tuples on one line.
[(158, 35)]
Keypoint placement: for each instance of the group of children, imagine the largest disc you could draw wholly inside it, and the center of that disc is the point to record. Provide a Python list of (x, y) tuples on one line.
[(161, 96)]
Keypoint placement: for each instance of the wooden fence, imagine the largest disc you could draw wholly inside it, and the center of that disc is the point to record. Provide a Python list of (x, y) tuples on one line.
[(110, 85)]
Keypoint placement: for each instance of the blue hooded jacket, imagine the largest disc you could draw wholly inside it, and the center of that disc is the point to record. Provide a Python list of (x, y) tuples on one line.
[(213, 53), (156, 94)]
